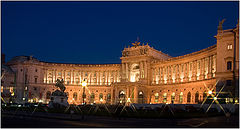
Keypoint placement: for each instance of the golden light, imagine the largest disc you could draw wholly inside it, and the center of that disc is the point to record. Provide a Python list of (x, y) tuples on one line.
[(128, 100), (84, 83), (12, 94), (236, 101), (215, 98), (210, 92)]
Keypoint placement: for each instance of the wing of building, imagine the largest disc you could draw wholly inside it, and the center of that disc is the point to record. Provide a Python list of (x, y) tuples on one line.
[(145, 75)]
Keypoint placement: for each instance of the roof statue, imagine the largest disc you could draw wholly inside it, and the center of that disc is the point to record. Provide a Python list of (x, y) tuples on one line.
[(60, 85), (136, 42), (220, 24)]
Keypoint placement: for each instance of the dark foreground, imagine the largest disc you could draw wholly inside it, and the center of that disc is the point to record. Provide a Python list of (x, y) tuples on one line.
[(43, 120)]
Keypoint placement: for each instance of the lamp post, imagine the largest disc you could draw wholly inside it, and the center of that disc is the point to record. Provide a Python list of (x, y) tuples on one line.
[(84, 84)]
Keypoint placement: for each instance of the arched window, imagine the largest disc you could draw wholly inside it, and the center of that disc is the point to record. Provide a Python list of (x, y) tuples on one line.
[(100, 97), (229, 65), (188, 97), (108, 97), (181, 97), (197, 97), (156, 97), (75, 96), (172, 97), (48, 95), (140, 97), (164, 97)]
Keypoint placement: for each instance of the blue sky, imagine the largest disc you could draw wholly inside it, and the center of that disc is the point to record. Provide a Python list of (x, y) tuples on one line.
[(97, 32)]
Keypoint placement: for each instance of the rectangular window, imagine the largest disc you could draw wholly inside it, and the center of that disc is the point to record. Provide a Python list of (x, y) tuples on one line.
[(229, 65), (35, 80), (229, 47)]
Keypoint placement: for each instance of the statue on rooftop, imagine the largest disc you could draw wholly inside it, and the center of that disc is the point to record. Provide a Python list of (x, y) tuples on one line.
[(220, 24)]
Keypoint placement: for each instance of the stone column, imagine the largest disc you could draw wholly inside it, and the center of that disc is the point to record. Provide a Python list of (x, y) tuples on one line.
[(123, 71), (145, 69), (128, 94), (64, 77), (73, 77), (55, 75), (135, 94), (45, 75), (107, 77), (80, 76), (185, 72), (127, 77), (97, 78), (210, 67), (112, 97), (201, 77)]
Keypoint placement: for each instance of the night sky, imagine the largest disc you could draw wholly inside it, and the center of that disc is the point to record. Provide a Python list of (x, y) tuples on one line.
[(97, 32)]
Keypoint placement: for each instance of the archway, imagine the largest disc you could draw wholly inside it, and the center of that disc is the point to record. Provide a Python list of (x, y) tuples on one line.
[(197, 97), (122, 96), (140, 97), (188, 97)]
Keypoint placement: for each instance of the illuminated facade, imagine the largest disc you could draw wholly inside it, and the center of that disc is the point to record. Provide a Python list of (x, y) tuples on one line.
[(145, 75)]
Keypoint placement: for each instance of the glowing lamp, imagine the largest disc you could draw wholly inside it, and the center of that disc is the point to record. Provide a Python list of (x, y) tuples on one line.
[(215, 98), (236, 101), (210, 92), (128, 100), (84, 83), (101, 99)]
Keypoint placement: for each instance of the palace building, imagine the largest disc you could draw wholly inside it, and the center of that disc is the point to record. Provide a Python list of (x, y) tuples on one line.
[(145, 75)]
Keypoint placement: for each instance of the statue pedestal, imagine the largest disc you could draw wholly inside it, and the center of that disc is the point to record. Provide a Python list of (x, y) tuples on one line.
[(58, 99)]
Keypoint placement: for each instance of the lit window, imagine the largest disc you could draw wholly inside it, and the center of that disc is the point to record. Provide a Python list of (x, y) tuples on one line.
[(229, 47), (164, 97), (156, 97)]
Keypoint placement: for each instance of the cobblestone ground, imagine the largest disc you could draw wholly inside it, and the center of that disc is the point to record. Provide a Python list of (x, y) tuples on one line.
[(57, 120)]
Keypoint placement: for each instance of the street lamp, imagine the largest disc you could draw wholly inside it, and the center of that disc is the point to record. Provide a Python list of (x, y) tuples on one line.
[(210, 92), (84, 84)]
